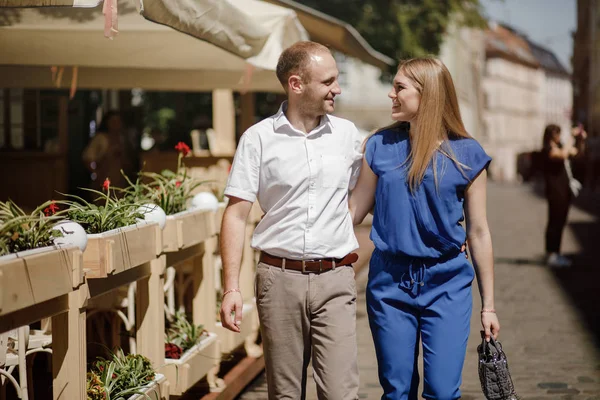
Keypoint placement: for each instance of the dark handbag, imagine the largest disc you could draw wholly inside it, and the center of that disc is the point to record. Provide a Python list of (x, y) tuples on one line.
[(494, 376)]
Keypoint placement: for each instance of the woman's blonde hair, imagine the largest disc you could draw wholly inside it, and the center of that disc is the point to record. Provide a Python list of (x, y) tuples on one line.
[(438, 117)]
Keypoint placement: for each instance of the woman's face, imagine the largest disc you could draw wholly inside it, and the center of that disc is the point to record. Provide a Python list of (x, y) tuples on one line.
[(556, 137), (405, 99)]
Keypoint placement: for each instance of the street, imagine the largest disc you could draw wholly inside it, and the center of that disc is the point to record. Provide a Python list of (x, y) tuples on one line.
[(550, 318)]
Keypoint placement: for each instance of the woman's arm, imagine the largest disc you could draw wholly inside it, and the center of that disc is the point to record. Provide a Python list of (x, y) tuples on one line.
[(480, 244), (362, 198), (558, 154)]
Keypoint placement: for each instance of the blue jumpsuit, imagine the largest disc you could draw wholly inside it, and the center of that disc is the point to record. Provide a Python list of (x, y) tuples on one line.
[(419, 281)]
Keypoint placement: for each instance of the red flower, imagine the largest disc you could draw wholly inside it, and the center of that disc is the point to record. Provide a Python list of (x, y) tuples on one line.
[(106, 184), (177, 184), (182, 148), (172, 351), (51, 209)]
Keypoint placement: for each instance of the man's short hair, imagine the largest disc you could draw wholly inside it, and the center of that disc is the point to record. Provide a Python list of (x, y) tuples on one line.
[(295, 59)]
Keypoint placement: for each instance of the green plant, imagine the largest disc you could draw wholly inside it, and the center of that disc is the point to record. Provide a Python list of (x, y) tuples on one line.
[(113, 212), (169, 190), (183, 333), (20, 231), (120, 376), (94, 387)]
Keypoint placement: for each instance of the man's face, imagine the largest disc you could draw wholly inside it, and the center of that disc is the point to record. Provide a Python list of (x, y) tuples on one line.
[(321, 85)]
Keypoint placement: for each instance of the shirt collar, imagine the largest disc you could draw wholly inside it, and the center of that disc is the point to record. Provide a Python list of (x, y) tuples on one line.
[(283, 125)]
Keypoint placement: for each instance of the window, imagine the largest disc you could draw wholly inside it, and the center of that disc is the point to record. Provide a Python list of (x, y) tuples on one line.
[(25, 123)]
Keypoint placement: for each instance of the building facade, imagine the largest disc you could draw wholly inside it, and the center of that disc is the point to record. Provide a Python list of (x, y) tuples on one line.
[(513, 84)]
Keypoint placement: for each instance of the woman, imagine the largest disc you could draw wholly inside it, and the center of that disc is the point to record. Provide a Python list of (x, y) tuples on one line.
[(421, 174), (109, 152), (558, 183)]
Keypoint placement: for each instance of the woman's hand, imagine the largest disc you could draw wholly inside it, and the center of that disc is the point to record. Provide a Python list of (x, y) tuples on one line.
[(490, 324)]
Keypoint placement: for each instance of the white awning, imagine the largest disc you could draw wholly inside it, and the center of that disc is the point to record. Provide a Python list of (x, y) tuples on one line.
[(336, 34), (147, 54)]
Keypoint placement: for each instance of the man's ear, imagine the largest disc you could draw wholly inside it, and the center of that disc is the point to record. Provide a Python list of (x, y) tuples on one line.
[(295, 84)]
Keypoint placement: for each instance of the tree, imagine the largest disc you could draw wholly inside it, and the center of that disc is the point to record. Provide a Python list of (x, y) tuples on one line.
[(403, 28)]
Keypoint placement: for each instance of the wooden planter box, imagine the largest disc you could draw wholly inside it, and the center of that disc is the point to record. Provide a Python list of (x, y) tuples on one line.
[(118, 250), (187, 228), (193, 365), (34, 276), (157, 390), (230, 340)]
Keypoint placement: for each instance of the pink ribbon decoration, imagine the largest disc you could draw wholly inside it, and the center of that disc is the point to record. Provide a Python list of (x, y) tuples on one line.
[(110, 9), (247, 78)]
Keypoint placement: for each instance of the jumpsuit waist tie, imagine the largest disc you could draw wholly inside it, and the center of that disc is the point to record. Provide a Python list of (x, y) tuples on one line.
[(416, 276), (417, 267)]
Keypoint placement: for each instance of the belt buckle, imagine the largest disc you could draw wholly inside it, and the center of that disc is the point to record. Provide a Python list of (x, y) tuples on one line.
[(304, 266)]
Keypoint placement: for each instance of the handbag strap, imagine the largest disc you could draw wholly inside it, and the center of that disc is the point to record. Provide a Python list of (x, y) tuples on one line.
[(492, 347)]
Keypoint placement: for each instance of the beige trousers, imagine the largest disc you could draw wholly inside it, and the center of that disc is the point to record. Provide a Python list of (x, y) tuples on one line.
[(304, 316)]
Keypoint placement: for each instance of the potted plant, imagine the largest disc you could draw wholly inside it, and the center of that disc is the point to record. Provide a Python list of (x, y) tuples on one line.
[(32, 269), (118, 236), (20, 231), (187, 222), (191, 353), (123, 377)]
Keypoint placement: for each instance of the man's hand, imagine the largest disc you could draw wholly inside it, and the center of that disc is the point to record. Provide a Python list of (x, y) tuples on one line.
[(231, 311)]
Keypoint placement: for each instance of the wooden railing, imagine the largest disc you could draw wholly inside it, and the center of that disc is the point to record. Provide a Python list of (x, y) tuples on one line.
[(157, 268)]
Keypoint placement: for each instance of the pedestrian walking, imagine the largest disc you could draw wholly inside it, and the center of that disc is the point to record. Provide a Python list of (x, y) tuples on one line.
[(421, 175), (299, 164)]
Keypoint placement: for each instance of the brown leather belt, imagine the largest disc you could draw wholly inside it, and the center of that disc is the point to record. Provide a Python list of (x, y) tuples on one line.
[(309, 266)]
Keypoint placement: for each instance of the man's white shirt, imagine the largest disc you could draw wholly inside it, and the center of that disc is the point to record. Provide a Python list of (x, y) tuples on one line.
[(301, 182)]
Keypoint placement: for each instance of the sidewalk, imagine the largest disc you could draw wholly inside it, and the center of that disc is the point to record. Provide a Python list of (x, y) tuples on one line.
[(550, 319)]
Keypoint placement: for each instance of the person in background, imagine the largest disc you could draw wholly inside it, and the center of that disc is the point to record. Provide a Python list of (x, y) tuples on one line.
[(559, 187), (109, 152)]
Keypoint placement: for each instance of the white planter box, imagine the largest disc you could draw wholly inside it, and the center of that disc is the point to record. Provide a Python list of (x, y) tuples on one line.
[(118, 250), (194, 364), (34, 276), (156, 390), (187, 228)]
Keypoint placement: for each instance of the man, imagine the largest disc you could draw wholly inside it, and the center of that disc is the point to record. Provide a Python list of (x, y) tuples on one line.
[(299, 164)]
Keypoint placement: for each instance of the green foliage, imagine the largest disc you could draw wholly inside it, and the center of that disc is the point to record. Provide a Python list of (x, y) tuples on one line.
[(183, 333), (94, 387), (119, 377), (402, 29), (111, 212), (169, 190), (20, 231)]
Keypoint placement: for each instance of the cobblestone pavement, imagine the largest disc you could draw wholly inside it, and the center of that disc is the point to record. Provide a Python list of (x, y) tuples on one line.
[(550, 318)]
